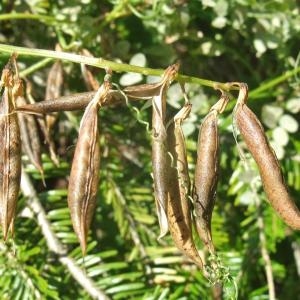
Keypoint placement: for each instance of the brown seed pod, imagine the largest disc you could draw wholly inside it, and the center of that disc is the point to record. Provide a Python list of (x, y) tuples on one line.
[(53, 89), (10, 159), (143, 91), (149, 90), (84, 176), (160, 163), (206, 172), (41, 120), (31, 143), (54, 81), (178, 205), (89, 79), (257, 143)]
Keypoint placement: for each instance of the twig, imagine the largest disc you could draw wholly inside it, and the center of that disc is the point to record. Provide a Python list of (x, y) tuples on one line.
[(263, 244), (264, 251), (54, 244)]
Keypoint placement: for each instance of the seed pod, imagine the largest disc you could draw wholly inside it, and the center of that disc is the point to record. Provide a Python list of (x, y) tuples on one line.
[(30, 137), (143, 91), (257, 143), (89, 79), (10, 160), (53, 89), (206, 172), (149, 90), (41, 120), (178, 205), (72, 102), (160, 162), (84, 177)]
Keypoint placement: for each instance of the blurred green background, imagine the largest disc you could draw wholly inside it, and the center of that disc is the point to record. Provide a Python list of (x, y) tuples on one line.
[(256, 42)]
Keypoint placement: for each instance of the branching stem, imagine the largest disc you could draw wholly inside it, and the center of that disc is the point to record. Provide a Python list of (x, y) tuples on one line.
[(53, 242)]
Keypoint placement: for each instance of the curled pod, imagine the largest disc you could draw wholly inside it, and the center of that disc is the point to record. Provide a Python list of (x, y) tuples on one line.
[(206, 172), (160, 163), (10, 160), (178, 205), (84, 176), (257, 143)]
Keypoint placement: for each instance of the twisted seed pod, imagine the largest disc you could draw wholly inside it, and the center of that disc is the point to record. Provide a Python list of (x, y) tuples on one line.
[(257, 143), (84, 176), (10, 159), (160, 163), (206, 172), (178, 205)]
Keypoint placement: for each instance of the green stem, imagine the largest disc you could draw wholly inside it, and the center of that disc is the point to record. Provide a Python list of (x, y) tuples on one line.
[(120, 67), (273, 82), (28, 16), (106, 64), (35, 67)]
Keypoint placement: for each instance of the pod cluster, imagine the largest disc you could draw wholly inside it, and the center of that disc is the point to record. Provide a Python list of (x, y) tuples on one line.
[(19, 133), (180, 205)]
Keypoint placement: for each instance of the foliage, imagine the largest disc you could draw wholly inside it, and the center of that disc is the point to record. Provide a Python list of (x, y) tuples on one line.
[(239, 40)]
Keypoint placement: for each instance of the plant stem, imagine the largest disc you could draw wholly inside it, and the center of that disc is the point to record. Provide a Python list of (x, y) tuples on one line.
[(27, 16), (264, 250), (121, 67), (35, 67), (53, 242), (273, 82), (107, 64)]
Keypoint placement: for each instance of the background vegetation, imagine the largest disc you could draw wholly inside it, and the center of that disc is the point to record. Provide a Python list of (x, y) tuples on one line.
[(240, 40)]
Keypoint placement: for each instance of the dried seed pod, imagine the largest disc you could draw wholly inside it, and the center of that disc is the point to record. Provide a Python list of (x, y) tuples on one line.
[(54, 81), (31, 143), (149, 90), (257, 143), (84, 176), (178, 205), (206, 172), (53, 89), (160, 163), (143, 91), (69, 103), (10, 159), (89, 79), (41, 120)]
